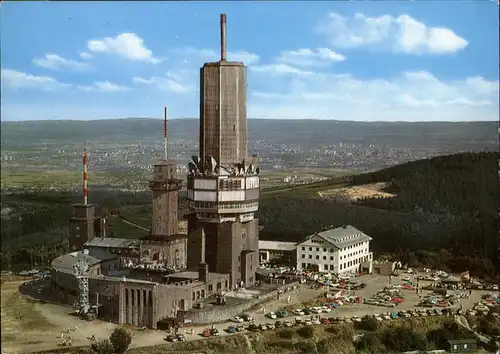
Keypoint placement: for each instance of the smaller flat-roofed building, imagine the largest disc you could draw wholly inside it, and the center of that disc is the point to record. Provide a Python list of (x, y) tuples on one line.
[(338, 250), (272, 250)]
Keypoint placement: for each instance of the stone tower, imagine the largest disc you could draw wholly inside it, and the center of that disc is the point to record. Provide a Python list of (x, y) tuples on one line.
[(81, 226), (165, 187)]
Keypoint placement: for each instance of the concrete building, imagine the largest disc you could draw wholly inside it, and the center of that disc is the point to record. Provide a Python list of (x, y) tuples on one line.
[(339, 250), (223, 181), (144, 282)]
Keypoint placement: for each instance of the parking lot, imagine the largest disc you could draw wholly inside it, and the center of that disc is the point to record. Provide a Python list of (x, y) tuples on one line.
[(60, 319)]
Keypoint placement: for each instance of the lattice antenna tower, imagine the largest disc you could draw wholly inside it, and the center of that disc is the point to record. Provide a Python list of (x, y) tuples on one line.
[(80, 270)]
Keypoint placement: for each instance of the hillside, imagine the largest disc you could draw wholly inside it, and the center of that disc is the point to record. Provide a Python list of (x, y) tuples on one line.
[(441, 205), (469, 135), (446, 203)]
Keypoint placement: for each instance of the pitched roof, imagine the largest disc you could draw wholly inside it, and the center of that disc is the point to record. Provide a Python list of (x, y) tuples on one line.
[(66, 262), (343, 236)]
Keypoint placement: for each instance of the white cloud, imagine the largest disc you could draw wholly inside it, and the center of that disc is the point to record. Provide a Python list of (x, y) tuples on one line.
[(86, 55), (104, 86), (308, 57), (198, 56), (127, 45), (172, 82), (56, 62), (402, 34), (18, 80), (280, 69), (409, 96)]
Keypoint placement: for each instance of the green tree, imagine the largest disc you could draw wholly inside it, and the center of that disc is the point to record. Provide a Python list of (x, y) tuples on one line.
[(103, 347), (121, 339)]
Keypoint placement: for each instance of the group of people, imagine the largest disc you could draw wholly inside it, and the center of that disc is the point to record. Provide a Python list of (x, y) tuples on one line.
[(67, 341)]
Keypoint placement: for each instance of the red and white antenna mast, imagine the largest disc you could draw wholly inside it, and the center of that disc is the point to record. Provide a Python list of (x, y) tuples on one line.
[(85, 174)]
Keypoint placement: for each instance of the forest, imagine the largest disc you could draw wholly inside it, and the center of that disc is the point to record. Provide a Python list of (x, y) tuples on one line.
[(444, 215)]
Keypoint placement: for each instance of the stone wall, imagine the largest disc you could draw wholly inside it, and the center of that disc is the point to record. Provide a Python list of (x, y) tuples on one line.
[(221, 313)]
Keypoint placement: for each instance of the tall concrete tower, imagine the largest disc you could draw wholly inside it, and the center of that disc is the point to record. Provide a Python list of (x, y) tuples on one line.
[(223, 182)]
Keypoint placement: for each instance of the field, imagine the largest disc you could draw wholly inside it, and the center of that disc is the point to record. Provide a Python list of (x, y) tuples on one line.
[(63, 178), (354, 193), (29, 325)]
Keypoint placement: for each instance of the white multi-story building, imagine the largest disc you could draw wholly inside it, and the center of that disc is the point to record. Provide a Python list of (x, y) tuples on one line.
[(339, 250)]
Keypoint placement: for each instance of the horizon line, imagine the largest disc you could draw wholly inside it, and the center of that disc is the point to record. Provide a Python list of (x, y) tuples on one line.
[(274, 119)]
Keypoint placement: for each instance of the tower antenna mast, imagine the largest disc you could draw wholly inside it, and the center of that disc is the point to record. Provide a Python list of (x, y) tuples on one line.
[(165, 128)]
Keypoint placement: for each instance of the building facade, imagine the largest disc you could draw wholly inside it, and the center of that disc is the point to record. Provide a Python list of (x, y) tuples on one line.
[(339, 250)]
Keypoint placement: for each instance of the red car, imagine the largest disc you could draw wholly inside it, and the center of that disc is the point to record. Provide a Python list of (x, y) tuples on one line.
[(325, 321)]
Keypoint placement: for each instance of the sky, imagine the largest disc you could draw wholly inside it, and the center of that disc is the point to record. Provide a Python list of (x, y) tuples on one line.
[(363, 61)]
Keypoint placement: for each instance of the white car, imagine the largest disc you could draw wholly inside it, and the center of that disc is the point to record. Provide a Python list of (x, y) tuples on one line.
[(298, 312), (272, 315), (238, 319), (316, 310), (326, 309), (316, 321)]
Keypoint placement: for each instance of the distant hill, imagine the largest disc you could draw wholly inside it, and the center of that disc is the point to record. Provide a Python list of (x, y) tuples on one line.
[(470, 135)]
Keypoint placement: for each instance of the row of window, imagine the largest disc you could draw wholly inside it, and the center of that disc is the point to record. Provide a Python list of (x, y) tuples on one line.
[(317, 249), (356, 261), (325, 266), (331, 249), (355, 253), (228, 185), (317, 257), (226, 205)]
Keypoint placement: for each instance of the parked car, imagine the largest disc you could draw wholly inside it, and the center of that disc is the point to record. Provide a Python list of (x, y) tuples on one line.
[(171, 338), (325, 321), (299, 312), (181, 337), (325, 309), (282, 314), (215, 332), (272, 315), (246, 317), (253, 327), (238, 319), (315, 321), (306, 311), (287, 324)]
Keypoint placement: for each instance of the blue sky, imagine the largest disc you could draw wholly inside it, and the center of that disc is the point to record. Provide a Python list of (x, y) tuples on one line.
[(391, 60)]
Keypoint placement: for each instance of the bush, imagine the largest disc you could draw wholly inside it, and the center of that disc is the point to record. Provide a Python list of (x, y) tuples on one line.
[(307, 348), (440, 338), (368, 324), (370, 343), (281, 344), (286, 334), (404, 339), (326, 346), (488, 325), (103, 347), (121, 339), (306, 332)]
